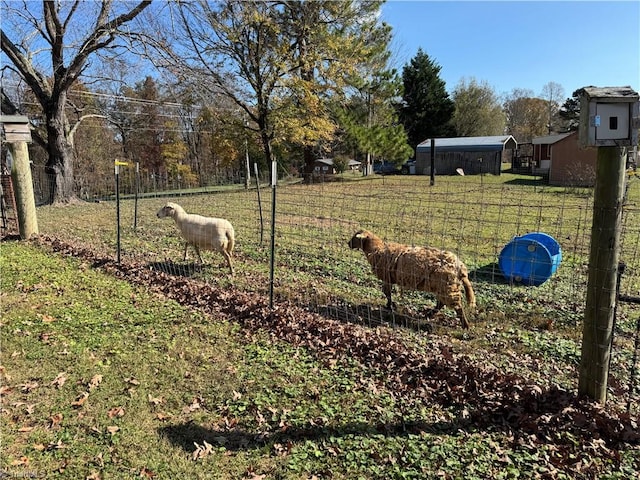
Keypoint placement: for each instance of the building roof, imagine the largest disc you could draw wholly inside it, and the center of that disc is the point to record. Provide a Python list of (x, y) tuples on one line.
[(550, 139), (610, 94), (326, 161), (329, 161), (470, 144), (13, 119)]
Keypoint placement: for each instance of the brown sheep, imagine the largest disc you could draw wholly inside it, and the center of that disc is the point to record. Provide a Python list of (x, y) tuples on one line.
[(426, 269)]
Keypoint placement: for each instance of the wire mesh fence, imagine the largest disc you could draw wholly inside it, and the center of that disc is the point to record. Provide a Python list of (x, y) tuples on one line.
[(475, 217)]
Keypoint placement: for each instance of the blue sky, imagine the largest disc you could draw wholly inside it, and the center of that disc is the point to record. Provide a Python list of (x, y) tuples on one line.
[(513, 44)]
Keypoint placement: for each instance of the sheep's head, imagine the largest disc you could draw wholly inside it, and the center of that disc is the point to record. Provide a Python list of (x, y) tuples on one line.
[(169, 210), (361, 239)]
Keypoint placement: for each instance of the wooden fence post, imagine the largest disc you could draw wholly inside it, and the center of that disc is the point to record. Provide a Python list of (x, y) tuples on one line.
[(597, 335), (23, 188)]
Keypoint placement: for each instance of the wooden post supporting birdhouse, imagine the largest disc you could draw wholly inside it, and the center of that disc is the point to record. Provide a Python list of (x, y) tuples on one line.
[(16, 134), (608, 121)]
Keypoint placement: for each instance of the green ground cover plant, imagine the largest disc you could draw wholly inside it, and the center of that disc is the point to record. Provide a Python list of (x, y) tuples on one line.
[(105, 377)]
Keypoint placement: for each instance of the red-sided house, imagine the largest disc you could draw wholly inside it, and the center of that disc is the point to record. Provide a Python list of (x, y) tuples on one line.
[(541, 161), (572, 166)]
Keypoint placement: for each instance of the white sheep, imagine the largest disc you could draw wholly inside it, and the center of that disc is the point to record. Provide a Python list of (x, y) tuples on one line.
[(202, 232), (426, 269)]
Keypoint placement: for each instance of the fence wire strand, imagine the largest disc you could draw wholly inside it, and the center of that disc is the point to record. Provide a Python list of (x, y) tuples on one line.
[(314, 267)]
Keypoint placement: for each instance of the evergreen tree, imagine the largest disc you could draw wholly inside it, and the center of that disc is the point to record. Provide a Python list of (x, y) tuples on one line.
[(569, 113), (427, 109), (369, 117)]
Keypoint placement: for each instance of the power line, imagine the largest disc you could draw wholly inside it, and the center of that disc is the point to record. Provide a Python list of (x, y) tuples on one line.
[(118, 97)]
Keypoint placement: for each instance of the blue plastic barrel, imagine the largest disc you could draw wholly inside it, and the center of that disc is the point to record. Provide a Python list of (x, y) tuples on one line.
[(530, 259)]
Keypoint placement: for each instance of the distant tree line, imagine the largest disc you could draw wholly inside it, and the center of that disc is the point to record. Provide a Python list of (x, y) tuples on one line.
[(190, 89)]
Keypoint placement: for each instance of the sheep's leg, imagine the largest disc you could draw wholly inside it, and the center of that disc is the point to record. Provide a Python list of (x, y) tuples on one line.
[(228, 258), (463, 317), (184, 257), (386, 289), (198, 252)]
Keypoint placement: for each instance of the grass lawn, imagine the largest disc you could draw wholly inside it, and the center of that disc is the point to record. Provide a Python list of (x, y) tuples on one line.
[(126, 371), (105, 379)]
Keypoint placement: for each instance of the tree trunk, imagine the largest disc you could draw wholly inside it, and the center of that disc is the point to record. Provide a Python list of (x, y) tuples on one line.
[(268, 155), (309, 164), (59, 166)]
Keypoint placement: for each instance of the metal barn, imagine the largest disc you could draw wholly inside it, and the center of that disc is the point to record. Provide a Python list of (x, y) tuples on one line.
[(474, 155)]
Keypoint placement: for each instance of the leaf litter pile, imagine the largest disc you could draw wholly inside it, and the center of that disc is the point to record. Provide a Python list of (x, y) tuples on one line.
[(483, 397)]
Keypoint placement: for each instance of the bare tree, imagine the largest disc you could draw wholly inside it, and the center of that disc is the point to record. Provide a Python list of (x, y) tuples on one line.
[(50, 48), (553, 94), (227, 48)]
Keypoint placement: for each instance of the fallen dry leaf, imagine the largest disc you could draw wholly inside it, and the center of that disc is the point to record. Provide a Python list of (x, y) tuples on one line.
[(60, 380), (47, 319), (116, 412), (113, 429), (162, 416), (80, 400), (95, 381), (63, 466), (26, 429), (195, 405), (145, 472), (20, 462), (155, 400), (55, 446), (55, 420), (46, 337), (202, 451), (28, 387)]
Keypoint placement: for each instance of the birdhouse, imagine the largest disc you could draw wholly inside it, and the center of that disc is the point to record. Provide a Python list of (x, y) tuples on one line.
[(15, 128), (609, 117)]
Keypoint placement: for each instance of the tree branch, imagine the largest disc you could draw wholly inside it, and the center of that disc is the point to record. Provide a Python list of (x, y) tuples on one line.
[(36, 81)]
